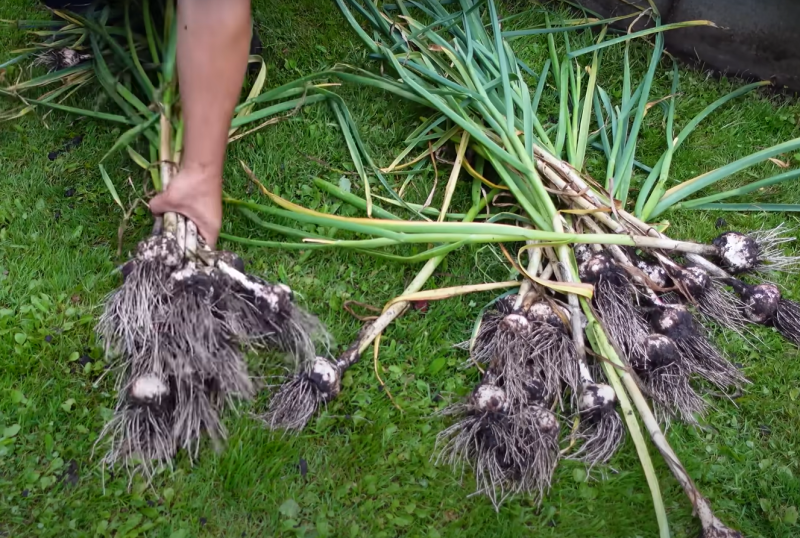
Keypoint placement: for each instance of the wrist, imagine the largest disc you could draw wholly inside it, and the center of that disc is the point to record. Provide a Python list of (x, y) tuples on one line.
[(201, 170)]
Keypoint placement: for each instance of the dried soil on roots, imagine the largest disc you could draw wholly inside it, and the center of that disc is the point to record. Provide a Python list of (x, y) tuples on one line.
[(191, 323), (697, 353), (666, 380), (510, 450)]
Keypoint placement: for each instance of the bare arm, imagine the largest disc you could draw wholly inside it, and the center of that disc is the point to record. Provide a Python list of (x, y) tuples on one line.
[(213, 45)]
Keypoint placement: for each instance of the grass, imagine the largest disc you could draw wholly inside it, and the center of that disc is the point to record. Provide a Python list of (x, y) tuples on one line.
[(362, 468)]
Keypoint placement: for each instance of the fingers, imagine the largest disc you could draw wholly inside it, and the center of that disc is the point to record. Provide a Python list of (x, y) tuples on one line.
[(159, 204), (189, 200), (208, 232)]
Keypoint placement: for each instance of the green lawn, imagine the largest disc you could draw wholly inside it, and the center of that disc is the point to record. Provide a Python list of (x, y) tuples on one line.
[(362, 468)]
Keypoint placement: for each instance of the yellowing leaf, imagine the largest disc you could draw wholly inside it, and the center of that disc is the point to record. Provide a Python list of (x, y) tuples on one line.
[(651, 104), (577, 288), (586, 211), (474, 173), (779, 163), (447, 293)]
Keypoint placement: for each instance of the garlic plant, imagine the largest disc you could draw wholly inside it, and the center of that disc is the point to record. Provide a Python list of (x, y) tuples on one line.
[(627, 312)]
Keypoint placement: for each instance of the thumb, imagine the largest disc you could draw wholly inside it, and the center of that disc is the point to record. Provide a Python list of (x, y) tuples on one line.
[(160, 204)]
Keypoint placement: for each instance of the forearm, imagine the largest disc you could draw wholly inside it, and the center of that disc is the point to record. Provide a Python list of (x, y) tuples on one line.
[(213, 42), (213, 45)]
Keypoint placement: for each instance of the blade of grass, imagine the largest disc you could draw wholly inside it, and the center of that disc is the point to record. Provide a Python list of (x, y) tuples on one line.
[(255, 90), (354, 24), (586, 115), (537, 97), (355, 154), (431, 211), (602, 126), (671, 146), (349, 126), (352, 199), (658, 30), (746, 189), (108, 81), (684, 134), (363, 246), (155, 174), (527, 117), (284, 245), (48, 78), (285, 106), (110, 187), (624, 175), (551, 48), (687, 188), (321, 219), (626, 75), (16, 60), (170, 21), (575, 80), (567, 28), (474, 130), (151, 91), (130, 135), (23, 24), (48, 97), (100, 30), (503, 61), (445, 23), (283, 230), (422, 256), (443, 232), (134, 101), (563, 110), (152, 44), (137, 157), (425, 128), (84, 112), (777, 208), (441, 139)]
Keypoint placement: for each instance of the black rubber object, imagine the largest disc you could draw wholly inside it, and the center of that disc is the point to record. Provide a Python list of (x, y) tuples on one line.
[(756, 39)]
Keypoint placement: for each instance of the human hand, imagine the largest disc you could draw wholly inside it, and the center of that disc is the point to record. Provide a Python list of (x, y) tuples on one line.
[(197, 196)]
